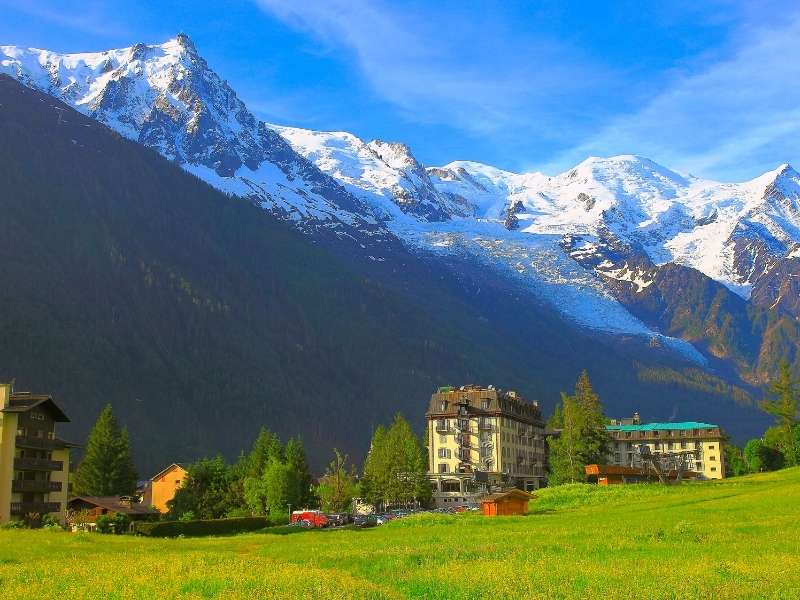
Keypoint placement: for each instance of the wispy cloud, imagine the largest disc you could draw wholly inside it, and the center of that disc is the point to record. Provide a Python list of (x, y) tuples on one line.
[(439, 67), (91, 18), (740, 115), (710, 112)]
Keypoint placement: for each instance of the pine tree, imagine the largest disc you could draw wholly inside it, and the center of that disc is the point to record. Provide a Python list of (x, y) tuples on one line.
[(395, 468), (373, 482), (783, 404), (295, 453), (583, 438), (107, 467), (266, 449)]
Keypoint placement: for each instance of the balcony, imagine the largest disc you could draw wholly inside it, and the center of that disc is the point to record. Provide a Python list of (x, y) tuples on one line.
[(443, 429), (38, 464), (24, 441), (22, 485), (26, 508)]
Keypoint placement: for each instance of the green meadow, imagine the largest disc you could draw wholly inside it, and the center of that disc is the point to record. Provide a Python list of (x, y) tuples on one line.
[(738, 538)]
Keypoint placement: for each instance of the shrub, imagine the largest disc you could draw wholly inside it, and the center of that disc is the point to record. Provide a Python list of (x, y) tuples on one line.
[(121, 523), (50, 522), (103, 524), (201, 528), (14, 524)]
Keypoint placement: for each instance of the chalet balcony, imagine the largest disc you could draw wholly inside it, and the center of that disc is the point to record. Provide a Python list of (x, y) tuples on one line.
[(26, 508), (443, 429), (38, 464), (22, 485), (24, 441)]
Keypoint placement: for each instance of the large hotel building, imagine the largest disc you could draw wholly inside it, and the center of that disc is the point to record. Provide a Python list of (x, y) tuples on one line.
[(34, 463), (482, 437), (706, 439)]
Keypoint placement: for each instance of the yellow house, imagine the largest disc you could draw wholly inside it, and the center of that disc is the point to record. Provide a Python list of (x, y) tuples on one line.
[(162, 487), (34, 463)]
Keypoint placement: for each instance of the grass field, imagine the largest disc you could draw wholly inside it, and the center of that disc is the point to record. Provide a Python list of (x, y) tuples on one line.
[(738, 538)]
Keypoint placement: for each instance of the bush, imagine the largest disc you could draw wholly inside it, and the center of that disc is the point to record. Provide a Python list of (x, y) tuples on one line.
[(121, 523), (14, 524), (201, 528), (103, 524), (50, 522)]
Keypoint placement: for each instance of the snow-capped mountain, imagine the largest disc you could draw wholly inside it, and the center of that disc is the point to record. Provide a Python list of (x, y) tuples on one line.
[(611, 208), (590, 242), (166, 97)]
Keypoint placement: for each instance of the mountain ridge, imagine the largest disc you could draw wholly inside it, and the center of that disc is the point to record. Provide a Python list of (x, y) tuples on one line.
[(585, 241)]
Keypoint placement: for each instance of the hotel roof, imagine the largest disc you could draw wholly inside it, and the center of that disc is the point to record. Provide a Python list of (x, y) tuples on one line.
[(662, 426)]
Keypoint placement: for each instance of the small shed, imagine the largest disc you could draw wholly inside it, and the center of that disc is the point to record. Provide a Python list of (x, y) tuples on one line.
[(509, 502)]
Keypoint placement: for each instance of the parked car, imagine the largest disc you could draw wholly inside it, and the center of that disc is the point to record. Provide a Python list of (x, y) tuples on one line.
[(365, 520)]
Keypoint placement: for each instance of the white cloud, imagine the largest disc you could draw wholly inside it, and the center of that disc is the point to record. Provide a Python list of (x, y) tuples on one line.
[(740, 115), (440, 67)]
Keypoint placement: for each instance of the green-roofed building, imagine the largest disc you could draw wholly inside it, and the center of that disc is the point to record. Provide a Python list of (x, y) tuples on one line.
[(629, 433)]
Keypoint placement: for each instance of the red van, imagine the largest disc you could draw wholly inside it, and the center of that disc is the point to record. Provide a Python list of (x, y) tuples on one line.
[(309, 518)]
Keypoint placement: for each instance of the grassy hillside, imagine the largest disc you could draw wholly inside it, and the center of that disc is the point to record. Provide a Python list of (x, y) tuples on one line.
[(738, 538)]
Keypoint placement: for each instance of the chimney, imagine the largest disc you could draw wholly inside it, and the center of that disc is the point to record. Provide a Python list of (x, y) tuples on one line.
[(636, 419)]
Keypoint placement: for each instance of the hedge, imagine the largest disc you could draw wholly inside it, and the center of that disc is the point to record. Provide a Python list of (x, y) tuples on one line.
[(200, 528)]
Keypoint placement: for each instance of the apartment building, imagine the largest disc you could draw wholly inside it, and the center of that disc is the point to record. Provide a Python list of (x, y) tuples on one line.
[(34, 463), (707, 439), (481, 438)]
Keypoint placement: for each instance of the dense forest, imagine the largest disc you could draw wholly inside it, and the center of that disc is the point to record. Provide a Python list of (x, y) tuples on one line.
[(202, 319)]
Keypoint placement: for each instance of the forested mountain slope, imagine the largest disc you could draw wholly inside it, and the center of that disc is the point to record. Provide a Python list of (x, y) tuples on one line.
[(202, 318)]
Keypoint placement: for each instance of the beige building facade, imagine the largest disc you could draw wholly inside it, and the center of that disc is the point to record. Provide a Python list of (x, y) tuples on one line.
[(707, 439), (34, 463), (481, 438)]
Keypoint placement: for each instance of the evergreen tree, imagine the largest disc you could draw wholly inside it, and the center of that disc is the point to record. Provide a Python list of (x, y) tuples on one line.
[(395, 468), (373, 483), (302, 494), (107, 467), (337, 487), (556, 420), (583, 438), (783, 404), (266, 449)]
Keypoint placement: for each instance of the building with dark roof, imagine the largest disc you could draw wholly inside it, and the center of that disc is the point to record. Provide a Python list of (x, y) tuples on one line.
[(482, 438), (34, 462)]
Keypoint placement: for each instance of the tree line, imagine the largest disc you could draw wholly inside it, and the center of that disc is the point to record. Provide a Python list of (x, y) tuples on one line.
[(270, 480), (779, 447)]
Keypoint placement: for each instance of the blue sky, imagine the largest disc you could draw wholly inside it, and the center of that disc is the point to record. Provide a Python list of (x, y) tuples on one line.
[(712, 89)]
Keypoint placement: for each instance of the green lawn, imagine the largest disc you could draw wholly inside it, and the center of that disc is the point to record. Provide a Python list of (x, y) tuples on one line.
[(738, 538)]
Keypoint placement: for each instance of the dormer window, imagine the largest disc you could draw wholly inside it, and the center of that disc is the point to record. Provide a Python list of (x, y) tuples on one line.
[(444, 405), (485, 403)]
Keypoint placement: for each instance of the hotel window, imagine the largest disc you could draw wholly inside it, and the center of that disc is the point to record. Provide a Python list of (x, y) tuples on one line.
[(485, 404), (713, 469), (444, 405), (712, 458), (711, 446), (443, 468)]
